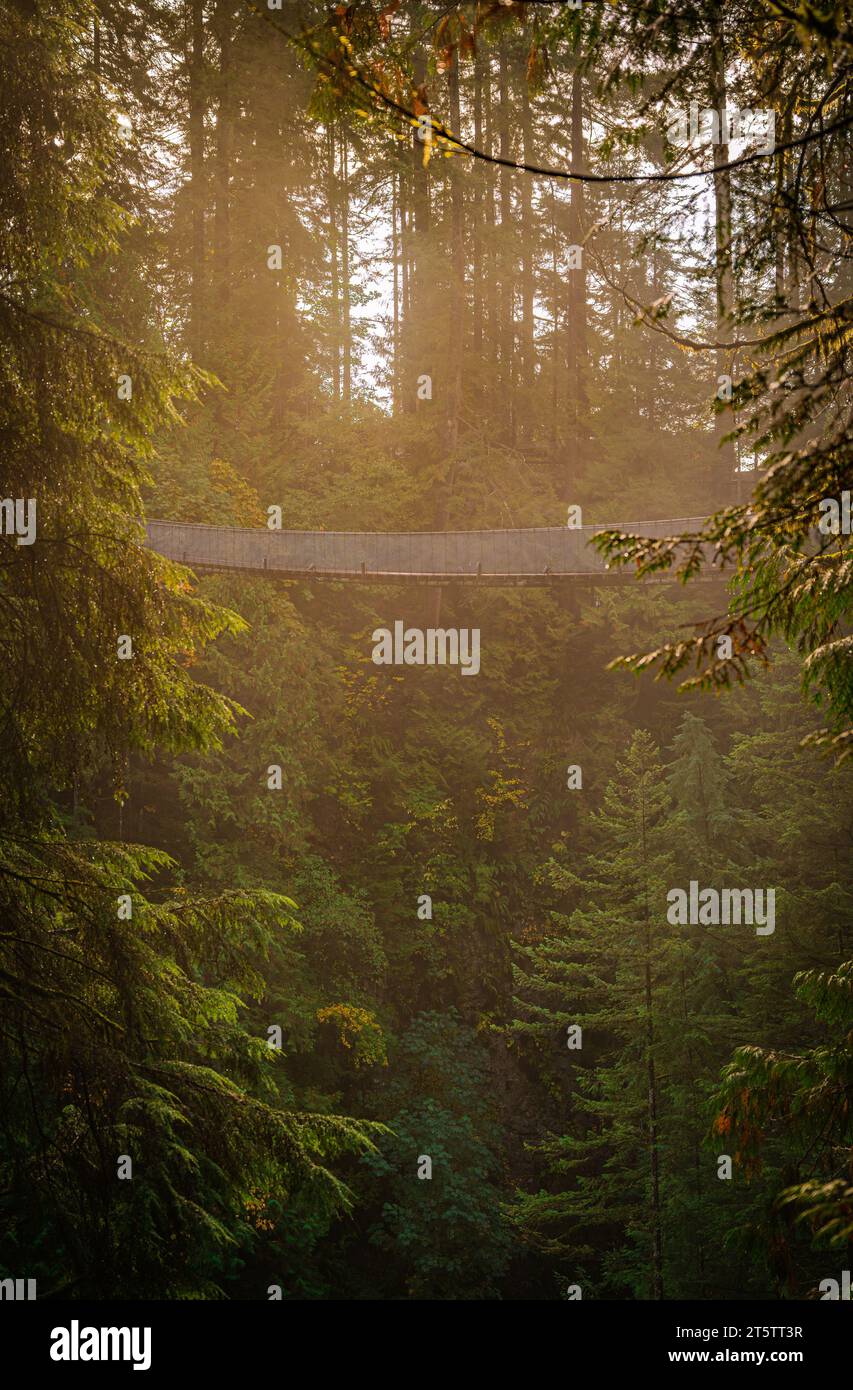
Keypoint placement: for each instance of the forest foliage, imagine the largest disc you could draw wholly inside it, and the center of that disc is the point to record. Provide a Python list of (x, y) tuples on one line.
[(274, 238)]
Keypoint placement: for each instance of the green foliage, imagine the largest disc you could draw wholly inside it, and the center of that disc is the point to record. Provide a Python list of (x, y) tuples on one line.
[(441, 1237), (124, 1029), (801, 1098), (608, 972), (148, 1035)]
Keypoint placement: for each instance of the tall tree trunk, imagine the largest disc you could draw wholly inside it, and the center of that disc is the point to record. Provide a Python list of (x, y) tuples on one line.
[(492, 264), (408, 398), (506, 285), (556, 301), (221, 280), (405, 248), (578, 289), (616, 216), (197, 190), (418, 243), (395, 261), (726, 459), (478, 178), (653, 338), (792, 286), (456, 326), (527, 364), (346, 291), (457, 284), (780, 220), (334, 276)]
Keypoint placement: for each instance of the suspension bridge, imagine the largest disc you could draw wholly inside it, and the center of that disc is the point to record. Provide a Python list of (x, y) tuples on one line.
[(537, 555)]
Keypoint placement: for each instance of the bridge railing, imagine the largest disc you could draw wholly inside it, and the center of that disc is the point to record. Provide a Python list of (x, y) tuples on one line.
[(533, 553)]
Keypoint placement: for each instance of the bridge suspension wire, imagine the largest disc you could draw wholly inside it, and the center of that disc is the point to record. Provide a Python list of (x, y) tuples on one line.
[(529, 555)]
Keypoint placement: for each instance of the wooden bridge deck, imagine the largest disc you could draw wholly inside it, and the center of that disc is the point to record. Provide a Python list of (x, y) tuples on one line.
[(534, 555)]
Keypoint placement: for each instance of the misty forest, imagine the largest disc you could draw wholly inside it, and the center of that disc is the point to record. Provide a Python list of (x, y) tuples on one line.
[(331, 977)]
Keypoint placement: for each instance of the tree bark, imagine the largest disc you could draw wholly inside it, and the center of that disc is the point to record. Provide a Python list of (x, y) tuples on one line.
[(506, 290), (556, 301), (395, 332), (346, 297), (477, 178), (334, 276), (418, 244), (527, 364), (578, 289), (224, 27), (456, 325), (490, 365), (197, 190), (457, 286), (724, 489)]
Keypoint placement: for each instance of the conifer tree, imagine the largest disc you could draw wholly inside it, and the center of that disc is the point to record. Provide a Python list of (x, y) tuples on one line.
[(138, 1113), (608, 971)]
